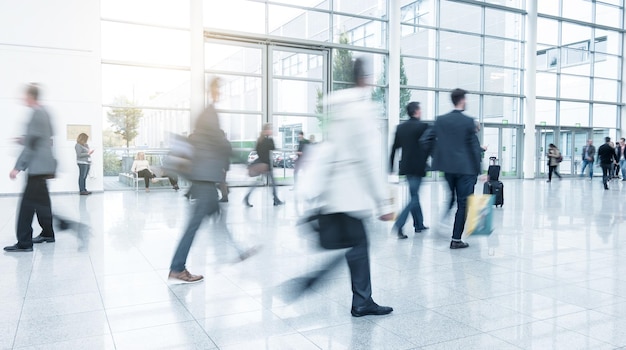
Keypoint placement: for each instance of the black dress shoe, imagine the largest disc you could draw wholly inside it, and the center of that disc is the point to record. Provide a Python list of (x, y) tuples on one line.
[(458, 245), (419, 230), (373, 309), (84, 193), (402, 235), (223, 200), (247, 203), (15, 248), (43, 239), (278, 202)]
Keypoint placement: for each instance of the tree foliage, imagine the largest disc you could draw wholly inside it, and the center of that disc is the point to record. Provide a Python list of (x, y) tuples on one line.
[(125, 120), (380, 93)]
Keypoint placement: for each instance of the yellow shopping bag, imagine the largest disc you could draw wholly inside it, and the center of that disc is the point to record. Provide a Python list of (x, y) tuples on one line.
[(479, 215)]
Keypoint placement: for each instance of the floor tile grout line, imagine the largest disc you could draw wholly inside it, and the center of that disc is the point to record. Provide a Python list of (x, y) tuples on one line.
[(104, 309), (19, 321)]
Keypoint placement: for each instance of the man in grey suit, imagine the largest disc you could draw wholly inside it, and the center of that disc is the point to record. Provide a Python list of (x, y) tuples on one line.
[(457, 153), (589, 153), (37, 158)]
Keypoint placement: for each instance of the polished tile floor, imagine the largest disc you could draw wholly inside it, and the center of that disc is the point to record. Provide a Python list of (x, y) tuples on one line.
[(552, 276)]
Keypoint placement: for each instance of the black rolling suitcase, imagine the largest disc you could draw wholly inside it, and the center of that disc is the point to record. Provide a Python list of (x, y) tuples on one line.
[(494, 186)]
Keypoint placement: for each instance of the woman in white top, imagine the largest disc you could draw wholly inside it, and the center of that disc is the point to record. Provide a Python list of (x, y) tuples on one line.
[(141, 167)]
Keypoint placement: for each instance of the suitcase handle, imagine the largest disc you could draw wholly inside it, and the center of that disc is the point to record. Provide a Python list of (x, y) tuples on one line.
[(493, 160)]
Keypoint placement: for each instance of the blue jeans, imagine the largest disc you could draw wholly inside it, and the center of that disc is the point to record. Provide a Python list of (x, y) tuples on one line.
[(413, 206), (622, 166), (206, 204), (585, 164), (83, 171), (462, 186)]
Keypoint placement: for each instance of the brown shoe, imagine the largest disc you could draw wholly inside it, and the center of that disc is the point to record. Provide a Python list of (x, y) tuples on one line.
[(183, 277)]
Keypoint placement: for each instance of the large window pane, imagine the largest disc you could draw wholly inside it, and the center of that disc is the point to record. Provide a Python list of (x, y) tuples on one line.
[(295, 96), (604, 115), (503, 24), (298, 65), (238, 15), (229, 58), (359, 32), (427, 103), (574, 33), (605, 90), (419, 72), (460, 16), (607, 41), (155, 127), (364, 8), (239, 93), (162, 12), (502, 80), (576, 59), (549, 30), (145, 86), (418, 42), (503, 53), (471, 108), (455, 75), (577, 9), (575, 87), (606, 66), (498, 109), (545, 112), (459, 47), (297, 23), (574, 113), (128, 42), (608, 15), (420, 12), (548, 7), (242, 130), (509, 3), (546, 84)]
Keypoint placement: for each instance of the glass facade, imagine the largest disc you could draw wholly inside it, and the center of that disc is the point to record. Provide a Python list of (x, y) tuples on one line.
[(278, 58)]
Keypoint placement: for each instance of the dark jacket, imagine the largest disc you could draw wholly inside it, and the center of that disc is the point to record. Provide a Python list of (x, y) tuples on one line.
[(456, 149), (264, 147), (618, 152), (606, 154), (211, 148), (37, 157), (414, 156), (589, 151)]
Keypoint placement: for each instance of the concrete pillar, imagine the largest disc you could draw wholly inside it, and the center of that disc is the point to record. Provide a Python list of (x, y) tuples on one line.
[(196, 31), (393, 70), (530, 146)]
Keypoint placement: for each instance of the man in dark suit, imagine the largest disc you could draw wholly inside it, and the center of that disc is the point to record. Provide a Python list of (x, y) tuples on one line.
[(589, 153), (38, 160), (607, 157), (457, 153), (412, 164)]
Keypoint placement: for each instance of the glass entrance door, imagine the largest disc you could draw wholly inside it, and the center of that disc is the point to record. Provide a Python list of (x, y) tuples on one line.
[(502, 142), (569, 141)]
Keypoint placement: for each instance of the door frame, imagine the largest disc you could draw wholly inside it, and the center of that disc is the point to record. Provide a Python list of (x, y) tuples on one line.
[(542, 145)]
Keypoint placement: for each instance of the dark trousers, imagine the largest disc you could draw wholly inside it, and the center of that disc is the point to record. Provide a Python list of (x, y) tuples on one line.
[(35, 200), (606, 172), (462, 186), (173, 179), (413, 206), (270, 177), (206, 204), (552, 170), (83, 171), (147, 176)]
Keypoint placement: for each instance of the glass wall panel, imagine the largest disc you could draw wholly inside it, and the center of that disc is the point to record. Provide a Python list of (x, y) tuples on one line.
[(419, 72), (508, 3), (608, 15), (607, 41), (459, 16), (549, 7), (606, 66), (241, 93), (605, 90), (145, 86), (360, 32), (427, 103), (420, 42), (577, 9), (503, 24), (419, 12), (471, 109), (459, 47), (503, 53), (162, 12), (575, 34), (576, 61), (155, 127), (574, 87), (297, 23), (229, 58), (546, 112), (604, 115), (298, 65), (457, 75), (318, 4), (549, 30), (498, 109), (241, 129), (546, 84), (237, 15), (295, 96), (371, 8), (502, 80), (574, 113), (145, 44)]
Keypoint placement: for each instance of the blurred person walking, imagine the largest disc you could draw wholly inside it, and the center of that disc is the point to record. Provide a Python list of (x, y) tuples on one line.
[(302, 145), (554, 159), (83, 159), (412, 165), (348, 181), (223, 185), (589, 154), (211, 152), (38, 160), (264, 148), (621, 156), (607, 157), (457, 153)]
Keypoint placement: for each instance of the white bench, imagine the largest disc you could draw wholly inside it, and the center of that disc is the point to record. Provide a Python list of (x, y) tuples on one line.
[(131, 179)]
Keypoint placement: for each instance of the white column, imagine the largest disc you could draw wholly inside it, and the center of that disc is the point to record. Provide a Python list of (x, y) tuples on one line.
[(196, 31), (393, 70), (530, 147)]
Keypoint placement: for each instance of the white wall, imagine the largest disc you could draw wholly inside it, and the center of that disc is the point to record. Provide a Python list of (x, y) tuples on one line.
[(56, 44)]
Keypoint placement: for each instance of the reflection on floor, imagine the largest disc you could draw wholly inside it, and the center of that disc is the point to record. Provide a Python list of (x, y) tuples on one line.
[(551, 276)]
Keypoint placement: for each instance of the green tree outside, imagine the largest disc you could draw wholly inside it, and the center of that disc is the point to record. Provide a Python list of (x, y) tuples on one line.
[(125, 120)]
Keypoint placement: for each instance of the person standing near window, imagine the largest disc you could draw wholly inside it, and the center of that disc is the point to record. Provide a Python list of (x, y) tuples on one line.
[(83, 159), (554, 158)]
